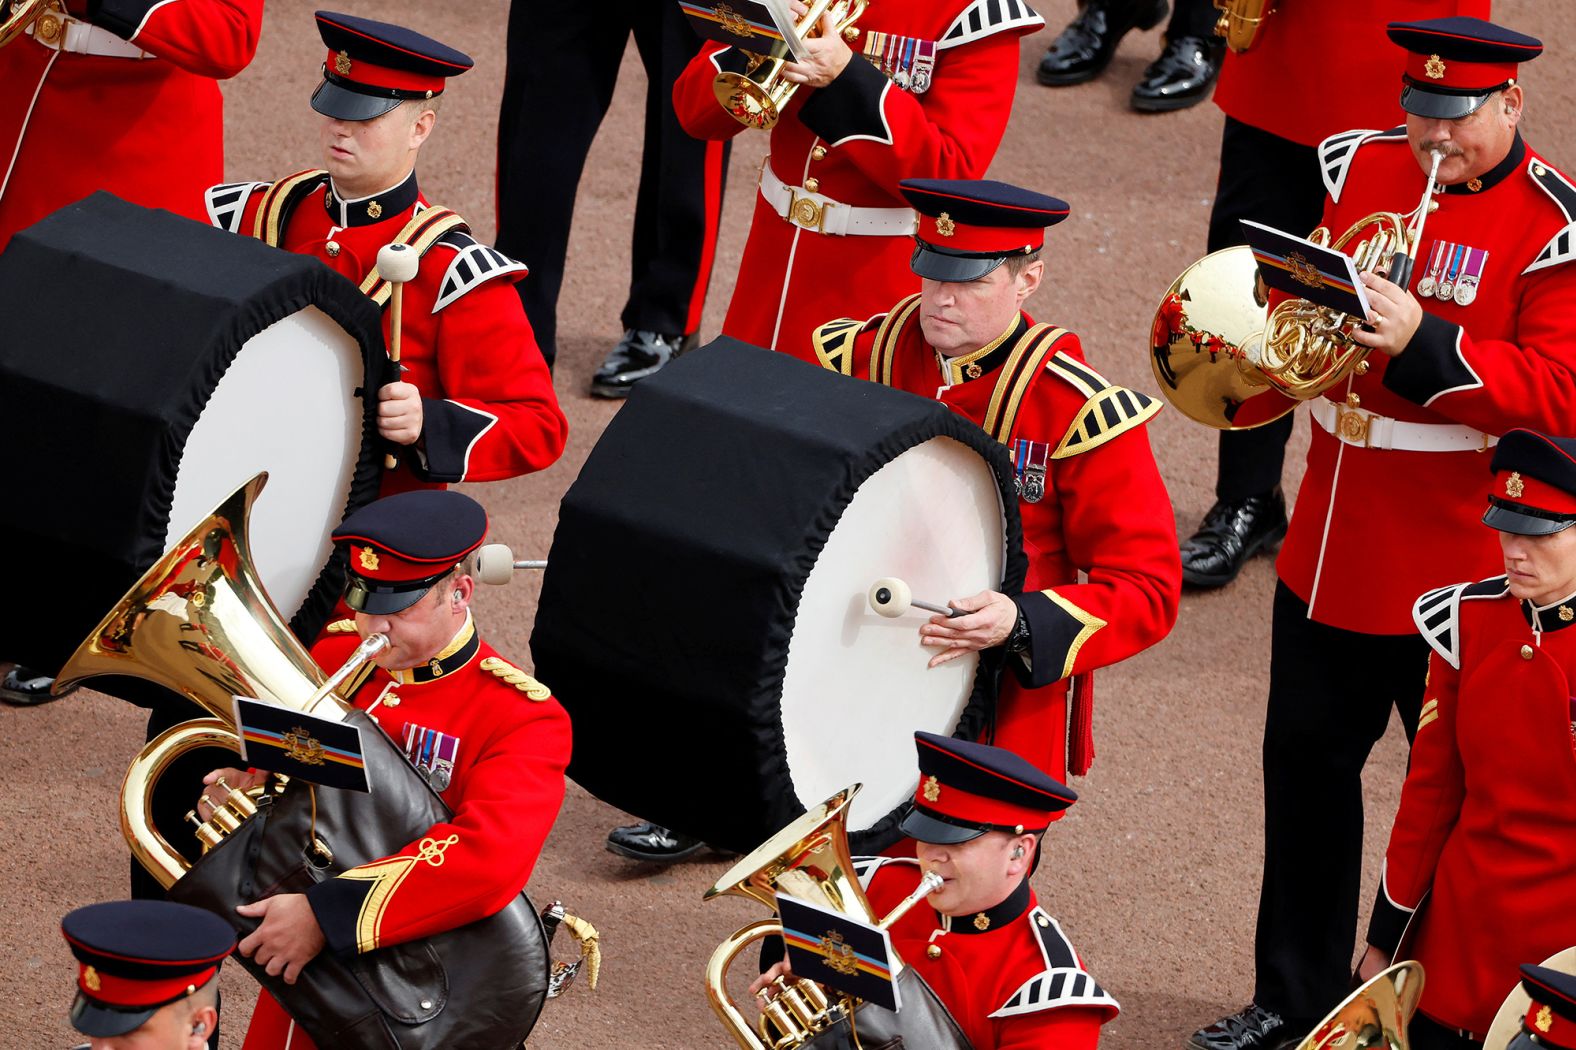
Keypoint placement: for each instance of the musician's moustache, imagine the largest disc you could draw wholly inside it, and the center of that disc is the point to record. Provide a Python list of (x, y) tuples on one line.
[(1442, 148)]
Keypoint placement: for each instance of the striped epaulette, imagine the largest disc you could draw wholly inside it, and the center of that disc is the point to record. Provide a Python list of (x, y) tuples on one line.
[(1063, 982), (1107, 412), (1437, 614)]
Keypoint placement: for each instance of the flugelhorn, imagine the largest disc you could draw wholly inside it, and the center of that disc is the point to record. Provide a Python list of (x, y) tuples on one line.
[(21, 14), (756, 97), (1222, 362), (1375, 1017)]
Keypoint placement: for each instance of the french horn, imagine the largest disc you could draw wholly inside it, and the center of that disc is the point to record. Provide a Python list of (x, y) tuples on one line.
[(757, 96), (1375, 1017), (21, 14)]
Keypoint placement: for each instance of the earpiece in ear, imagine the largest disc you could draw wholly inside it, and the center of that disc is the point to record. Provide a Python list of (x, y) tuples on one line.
[(199, 1029), (1017, 853), (458, 595)]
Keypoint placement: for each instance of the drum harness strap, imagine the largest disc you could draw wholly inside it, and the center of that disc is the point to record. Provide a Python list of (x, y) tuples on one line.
[(425, 228)]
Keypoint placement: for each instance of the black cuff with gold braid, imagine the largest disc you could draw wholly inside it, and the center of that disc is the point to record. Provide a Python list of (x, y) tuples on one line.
[(1057, 631), (850, 106), (337, 905)]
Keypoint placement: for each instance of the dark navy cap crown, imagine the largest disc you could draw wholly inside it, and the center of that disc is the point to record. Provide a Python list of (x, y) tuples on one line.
[(137, 956), (1534, 487), (1454, 64), (967, 789), (399, 546), (1552, 1016), (374, 66), (968, 227)]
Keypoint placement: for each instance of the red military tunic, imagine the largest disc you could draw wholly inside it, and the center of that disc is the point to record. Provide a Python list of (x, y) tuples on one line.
[(1014, 985), (1487, 823), (1091, 500), (495, 744), (850, 143), (489, 410), (1321, 67), (1374, 527), (148, 129)]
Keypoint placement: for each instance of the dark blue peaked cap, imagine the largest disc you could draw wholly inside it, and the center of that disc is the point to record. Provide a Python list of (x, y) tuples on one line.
[(1552, 1016), (967, 789), (1534, 490), (374, 66), (968, 227), (1455, 63), (399, 546)]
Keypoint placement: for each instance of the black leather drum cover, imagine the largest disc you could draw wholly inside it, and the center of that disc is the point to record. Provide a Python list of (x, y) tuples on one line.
[(669, 603), (484, 983), (118, 326)]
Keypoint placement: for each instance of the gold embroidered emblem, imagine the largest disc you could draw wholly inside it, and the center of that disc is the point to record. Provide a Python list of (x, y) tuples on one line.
[(342, 64), (1514, 486), (301, 746), (733, 22), (1303, 271), (432, 850), (1544, 1021), (90, 979), (839, 954), (982, 922), (945, 226), (932, 789), (971, 370), (1567, 614), (500, 668), (1474, 185), (435, 667), (1434, 68), (342, 627), (369, 559), (374, 209)]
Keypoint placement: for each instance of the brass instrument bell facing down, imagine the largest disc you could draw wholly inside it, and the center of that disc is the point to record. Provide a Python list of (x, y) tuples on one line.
[(1376, 1016), (756, 97)]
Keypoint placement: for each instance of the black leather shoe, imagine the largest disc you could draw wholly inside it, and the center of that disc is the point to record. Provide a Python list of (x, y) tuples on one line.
[(1181, 77), (1250, 1028), (1086, 45), (1229, 535), (639, 354), (651, 842), (28, 688)]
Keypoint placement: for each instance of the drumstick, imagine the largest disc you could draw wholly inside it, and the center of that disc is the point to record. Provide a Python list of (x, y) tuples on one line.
[(890, 596), (397, 263)]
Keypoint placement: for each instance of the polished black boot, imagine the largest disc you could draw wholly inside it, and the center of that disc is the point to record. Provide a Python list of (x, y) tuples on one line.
[(1181, 77), (652, 843), (1250, 1028), (1086, 45), (1230, 534)]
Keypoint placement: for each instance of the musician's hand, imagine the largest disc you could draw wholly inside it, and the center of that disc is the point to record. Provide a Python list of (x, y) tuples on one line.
[(238, 779), (399, 413), (1372, 964), (764, 982), (987, 622), (829, 55), (288, 938), (1393, 313)]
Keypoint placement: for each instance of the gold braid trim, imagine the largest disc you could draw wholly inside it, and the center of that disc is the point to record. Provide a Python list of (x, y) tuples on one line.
[(1014, 377), (834, 344), (422, 231), (1429, 713), (279, 200), (1091, 624), (342, 627), (501, 668), (386, 877), (590, 945), (887, 334)]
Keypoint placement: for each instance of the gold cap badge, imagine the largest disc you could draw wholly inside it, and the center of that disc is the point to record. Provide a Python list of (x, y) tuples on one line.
[(90, 979), (369, 559), (1544, 1021), (945, 226), (932, 789), (342, 64), (1434, 68), (1514, 486)]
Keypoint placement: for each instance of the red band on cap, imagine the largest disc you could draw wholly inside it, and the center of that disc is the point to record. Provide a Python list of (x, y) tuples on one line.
[(1550, 1025), (955, 803), (1530, 492), (948, 234), (360, 71), (127, 992), (1431, 70)]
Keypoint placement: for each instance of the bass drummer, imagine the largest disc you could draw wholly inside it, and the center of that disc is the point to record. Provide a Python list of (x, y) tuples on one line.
[(1090, 494)]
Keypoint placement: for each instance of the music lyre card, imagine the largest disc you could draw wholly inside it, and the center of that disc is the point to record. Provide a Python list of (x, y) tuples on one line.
[(1310, 271), (281, 740), (832, 949)]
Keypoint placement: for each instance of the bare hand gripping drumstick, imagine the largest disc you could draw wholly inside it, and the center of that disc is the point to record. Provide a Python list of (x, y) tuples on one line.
[(891, 597), (397, 263)]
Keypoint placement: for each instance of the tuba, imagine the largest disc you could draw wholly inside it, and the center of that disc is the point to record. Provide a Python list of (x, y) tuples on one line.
[(1376, 1016), (1241, 20), (757, 96), (21, 14), (809, 860), (1223, 363), (200, 623)]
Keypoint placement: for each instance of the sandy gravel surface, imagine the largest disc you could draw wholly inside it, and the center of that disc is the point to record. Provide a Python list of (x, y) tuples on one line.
[(1154, 874)]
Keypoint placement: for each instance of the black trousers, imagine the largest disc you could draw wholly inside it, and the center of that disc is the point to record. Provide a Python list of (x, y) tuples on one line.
[(1275, 181), (563, 64), (1192, 18), (1430, 1035), (1331, 692)]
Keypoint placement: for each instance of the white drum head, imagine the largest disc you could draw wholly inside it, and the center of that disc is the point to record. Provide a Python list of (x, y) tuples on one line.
[(1507, 1022), (856, 686), (286, 405)]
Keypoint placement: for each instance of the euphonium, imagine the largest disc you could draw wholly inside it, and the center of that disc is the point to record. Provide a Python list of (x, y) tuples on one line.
[(807, 860), (757, 96), (20, 14), (1375, 1017), (1221, 362), (1241, 20)]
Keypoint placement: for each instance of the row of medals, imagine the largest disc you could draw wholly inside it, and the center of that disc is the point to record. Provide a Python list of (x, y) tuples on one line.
[(1446, 287)]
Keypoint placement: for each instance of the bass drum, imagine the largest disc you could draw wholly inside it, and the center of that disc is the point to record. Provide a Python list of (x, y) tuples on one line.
[(704, 614), (148, 366)]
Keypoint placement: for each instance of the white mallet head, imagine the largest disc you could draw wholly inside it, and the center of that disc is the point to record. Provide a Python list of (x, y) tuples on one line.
[(398, 263), (494, 564), (890, 596)]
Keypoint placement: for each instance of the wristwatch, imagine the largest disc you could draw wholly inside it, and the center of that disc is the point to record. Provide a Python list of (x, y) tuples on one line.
[(1018, 637)]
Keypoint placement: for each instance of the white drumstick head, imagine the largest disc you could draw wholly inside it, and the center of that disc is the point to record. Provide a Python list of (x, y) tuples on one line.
[(890, 596), (494, 564), (398, 263)]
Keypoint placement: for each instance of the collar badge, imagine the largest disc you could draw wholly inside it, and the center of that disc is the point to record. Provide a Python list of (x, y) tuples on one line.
[(374, 209), (982, 922)]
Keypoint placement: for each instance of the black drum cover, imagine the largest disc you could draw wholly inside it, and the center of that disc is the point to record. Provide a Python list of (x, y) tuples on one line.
[(118, 324), (675, 576)]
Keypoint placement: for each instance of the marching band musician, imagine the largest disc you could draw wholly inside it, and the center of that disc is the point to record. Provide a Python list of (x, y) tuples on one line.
[(1479, 342), (475, 402), (927, 94), (1090, 494), (994, 957), (1484, 826), (147, 974), (490, 740)]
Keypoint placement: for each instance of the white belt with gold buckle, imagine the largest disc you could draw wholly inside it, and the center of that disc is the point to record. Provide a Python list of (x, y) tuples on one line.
[(820, 214), (1356, 426), (61, 32)]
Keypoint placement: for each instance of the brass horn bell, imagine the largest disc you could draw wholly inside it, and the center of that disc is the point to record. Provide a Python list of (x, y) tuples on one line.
[(20, 15), (756, 97), (1376, 1016)]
